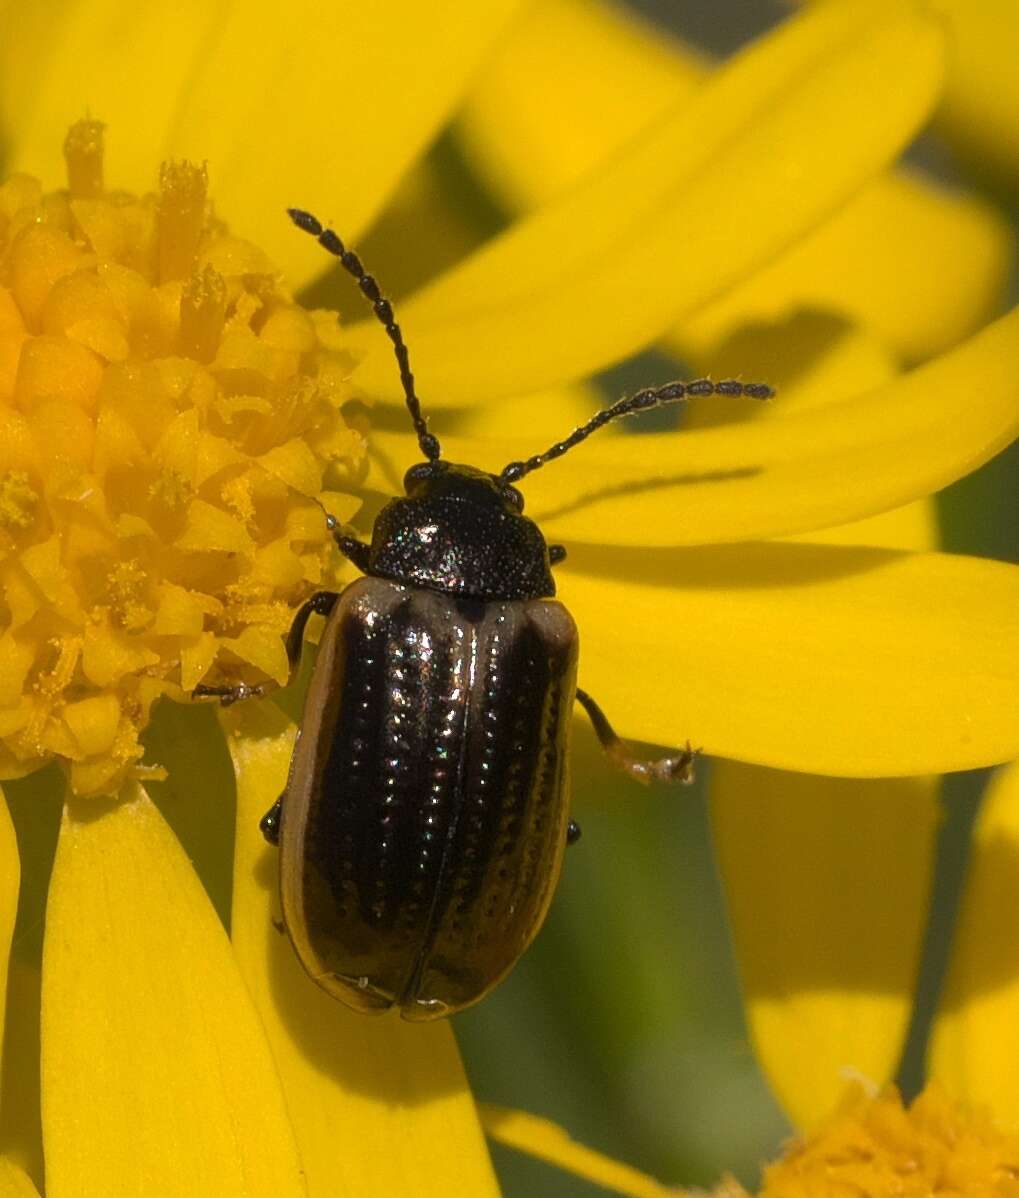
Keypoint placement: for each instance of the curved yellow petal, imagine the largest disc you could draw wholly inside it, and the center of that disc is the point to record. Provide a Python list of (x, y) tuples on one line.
[(920, 265), (821, 465), (308, 104), (532, 143), (827, 883), (828, 879), (384, 1107), (976, 1032), (842, 660), (156, 1073), (10, 877), (14, 1183), (547, 1141), (816, 359), (980, 111), (688, 208), (549, 414)]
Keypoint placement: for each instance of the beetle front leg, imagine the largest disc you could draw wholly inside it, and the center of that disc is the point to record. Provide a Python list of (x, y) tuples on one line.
[(352, 549), (228, 695), (320, 604), (677, 767)]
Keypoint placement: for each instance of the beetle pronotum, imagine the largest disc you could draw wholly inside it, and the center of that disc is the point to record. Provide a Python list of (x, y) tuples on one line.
[(423, 825)]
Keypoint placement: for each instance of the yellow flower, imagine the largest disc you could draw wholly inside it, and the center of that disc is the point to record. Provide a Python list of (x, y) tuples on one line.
[(167, 416), (212, 1066)]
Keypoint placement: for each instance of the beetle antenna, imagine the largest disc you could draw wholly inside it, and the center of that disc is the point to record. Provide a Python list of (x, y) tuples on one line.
[(383, 310), (651, 397)]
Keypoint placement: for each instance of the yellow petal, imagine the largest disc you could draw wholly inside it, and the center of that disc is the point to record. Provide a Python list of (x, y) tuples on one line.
[(156, 1073), (309, 105), (836, 660), (10, 875), (827, 883), (976, 1032), (822, 464), (14, 1182), (980, 111), (815, 360), (683, 213), (549, 1142), (827, 880), (531, 143), (920, 265), (384, 1105)]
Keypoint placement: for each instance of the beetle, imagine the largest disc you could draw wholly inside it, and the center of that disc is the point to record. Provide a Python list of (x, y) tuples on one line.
[(425, 817)]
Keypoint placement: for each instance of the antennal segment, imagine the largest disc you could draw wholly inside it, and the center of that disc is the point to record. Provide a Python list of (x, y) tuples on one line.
[(383, 309), (652, 397)]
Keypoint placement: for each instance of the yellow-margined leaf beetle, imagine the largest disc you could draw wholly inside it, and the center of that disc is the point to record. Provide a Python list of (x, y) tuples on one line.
[(423, 826)]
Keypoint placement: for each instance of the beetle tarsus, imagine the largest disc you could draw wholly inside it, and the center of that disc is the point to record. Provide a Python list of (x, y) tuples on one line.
[(228, 695), (270, 822), (573, 832), (675, 767)]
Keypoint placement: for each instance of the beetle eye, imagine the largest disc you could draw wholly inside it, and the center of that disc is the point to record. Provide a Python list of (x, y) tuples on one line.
[(418, 474), (513, 496)]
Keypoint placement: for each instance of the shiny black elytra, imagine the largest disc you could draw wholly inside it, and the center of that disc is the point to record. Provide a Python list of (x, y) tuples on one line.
[(425, 817)]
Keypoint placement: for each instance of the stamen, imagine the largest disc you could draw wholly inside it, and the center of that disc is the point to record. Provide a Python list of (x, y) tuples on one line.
[(202, 314), (182, 192), (83, 153)]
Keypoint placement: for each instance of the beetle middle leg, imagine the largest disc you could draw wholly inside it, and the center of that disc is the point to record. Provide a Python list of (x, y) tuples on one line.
[(676, 767), (556, 554), (270, 822)]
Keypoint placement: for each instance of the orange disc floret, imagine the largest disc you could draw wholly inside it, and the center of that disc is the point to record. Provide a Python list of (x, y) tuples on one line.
[(879, 1147), (170, 423)]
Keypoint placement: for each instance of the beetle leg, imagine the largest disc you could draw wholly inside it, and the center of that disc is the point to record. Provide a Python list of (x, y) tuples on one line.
[(677, 767), (270, 822), (229, 695), (320, 604), (351, 548), (572, 832), (355, 550), (556, 554)]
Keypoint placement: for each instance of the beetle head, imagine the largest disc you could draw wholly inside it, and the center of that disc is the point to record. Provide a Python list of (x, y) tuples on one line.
[(465, 483), (461, 530)]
